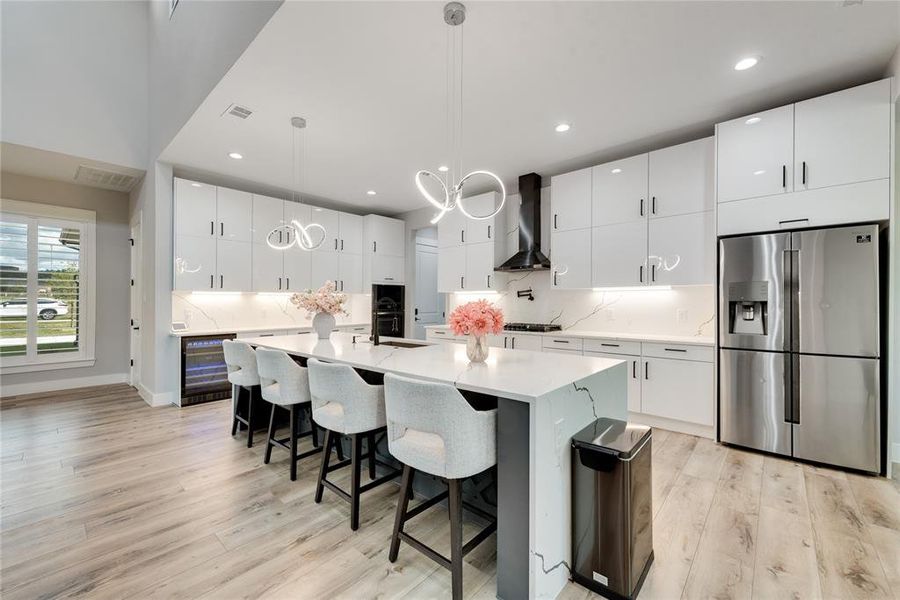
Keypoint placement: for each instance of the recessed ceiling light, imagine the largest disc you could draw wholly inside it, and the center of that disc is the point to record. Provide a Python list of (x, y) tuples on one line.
[(563, 127), (371, 192), (760, 172), (752, 120), (746, 63), (235, 155), (443, 169), (616, 171), (196, 185)]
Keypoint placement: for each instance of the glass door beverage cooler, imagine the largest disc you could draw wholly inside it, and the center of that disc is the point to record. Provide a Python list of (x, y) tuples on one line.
[(204, 376)]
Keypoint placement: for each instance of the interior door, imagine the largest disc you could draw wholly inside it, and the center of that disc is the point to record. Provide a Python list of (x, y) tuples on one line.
[(843, 137), (837, 290), (683, 249), (619, 191), (838, 406), (620, 255), (135, 305), (755, 154), (754, 400), (570, 259), (429, 306)]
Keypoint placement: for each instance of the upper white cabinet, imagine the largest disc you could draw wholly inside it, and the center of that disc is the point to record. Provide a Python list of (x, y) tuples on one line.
[(451, 268), (819, 162), (481, 230), (195, 263), (452, 229), (843, 137), (619, 191), (351, 233), (324, 266), (331, 221), (268, 213), (755, 155), (480, 273), (619, 255), (350, 273), (234, 210), (570, 259), (682, 249), (234, 264), (297, 270), (469, 249), (682, 179), (267, 269), (384, 251), (195, 208), (570, 201)]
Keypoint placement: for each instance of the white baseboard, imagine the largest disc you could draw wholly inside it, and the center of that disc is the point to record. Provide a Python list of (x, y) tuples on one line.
[(156, 400), (673, 425), (38, 387)]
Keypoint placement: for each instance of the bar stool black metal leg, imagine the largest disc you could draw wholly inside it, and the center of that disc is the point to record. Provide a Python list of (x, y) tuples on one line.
[(250, 398), (270, 437), (456, 555), (236, 400), (371, 445), (323, 470), (295, 417), (402, 505), (355, 458), (314, 428)]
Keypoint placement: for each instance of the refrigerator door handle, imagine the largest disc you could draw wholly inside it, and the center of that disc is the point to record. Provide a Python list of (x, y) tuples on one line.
[(795, 296), (787, 299), (788, 389), (795, 389)]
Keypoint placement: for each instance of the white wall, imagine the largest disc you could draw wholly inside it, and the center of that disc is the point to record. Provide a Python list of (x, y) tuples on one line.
[(74, 78), (894, 279), (112, 287)]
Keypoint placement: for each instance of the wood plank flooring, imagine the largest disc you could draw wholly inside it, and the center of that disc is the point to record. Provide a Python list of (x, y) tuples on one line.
[(104, 497)]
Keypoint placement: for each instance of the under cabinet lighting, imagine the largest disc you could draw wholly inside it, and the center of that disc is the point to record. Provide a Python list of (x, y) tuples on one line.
[(637, 288), (216, 293), (746, 63)]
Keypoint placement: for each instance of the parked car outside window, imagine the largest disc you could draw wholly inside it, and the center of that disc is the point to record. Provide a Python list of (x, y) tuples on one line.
[(48, 308)]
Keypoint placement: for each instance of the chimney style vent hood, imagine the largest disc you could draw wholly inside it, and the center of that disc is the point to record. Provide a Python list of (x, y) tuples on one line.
[(529, 256)]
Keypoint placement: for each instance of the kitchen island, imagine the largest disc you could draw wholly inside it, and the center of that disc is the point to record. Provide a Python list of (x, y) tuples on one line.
[(542, 400)]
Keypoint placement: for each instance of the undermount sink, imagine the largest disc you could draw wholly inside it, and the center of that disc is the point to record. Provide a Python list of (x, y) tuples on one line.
[(403, 344)]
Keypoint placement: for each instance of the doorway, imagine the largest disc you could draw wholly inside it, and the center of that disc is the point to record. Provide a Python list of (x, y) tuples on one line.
[(429, 303), (134, 374)]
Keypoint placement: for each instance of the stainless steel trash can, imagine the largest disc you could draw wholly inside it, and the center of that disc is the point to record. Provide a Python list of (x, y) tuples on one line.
[(612, 515)]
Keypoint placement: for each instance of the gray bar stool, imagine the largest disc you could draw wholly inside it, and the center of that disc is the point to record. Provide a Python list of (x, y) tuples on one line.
[(285, 384), (240, 359), (344, 404), (433, 429)]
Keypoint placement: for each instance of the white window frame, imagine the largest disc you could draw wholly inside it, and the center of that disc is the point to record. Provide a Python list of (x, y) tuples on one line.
[(34, 214)]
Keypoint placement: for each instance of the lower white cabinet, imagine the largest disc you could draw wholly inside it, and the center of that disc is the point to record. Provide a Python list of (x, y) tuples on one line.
[(620, 255), (570, 259), (480, 273), (516, 342), (634, 365), (678, 389)]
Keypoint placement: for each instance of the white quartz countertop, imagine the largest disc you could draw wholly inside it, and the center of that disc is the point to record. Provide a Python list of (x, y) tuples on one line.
[(516, 374), (295, 328), (610, 335)]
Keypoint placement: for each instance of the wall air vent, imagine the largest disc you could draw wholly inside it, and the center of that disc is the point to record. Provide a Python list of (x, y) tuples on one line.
[(236, 110), (103, 178)]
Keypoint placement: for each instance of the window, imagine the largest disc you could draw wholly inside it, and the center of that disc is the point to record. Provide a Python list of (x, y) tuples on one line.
[(46, 287)]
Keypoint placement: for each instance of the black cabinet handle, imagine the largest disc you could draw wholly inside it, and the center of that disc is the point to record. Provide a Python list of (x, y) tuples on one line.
[(505, 340), (634, 369), (489, 232), (462, 283), (784, 176), (675, 350), (647, 370), (212, 228), (374, 246), (514, 343), (554, 278), (804, 172), (561, 341), (642, 207), (221, 281), (222, 228), (279, 283), (641, 273), (555, 226), (653, 200), (210, 281), (489, 281), (610, 345), (652, 272), (342, 245), (288, 283), (335, 243), (463, 233)]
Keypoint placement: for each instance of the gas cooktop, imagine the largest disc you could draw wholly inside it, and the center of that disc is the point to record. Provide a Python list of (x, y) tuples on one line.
[(540, 327)]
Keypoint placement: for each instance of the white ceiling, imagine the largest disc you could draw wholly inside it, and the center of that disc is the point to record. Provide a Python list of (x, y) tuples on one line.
[(46, 164), (629, 76)]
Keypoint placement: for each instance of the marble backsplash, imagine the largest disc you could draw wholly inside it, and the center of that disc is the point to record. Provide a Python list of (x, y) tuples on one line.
[(223, 311), (681, 311)]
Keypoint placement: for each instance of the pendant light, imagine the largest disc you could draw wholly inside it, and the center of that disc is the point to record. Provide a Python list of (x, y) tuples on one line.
[(296, 233), (451, 198)]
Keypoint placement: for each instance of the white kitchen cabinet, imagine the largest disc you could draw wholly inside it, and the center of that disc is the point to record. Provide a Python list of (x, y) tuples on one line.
[(480, 230), (570, 259), (350, 273), (267, 270), (634, 368), (451, 268), (234, 211), (755, 154), (297, 270), (678, 389), (619, 255), (385, 235), (294, 211), (515, 342), (351, 232), (331, 221), (452, 229), (570, 201), (562, 351), (195, 263), (843, 137), (683, 250), (386, 269), (325, 266), (234, 266), (479, 274), (619, 191), (682, 179), (195, 208), (268, 213)]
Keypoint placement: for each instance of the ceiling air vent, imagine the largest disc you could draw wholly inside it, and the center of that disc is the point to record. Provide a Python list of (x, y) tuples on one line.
[(103, 178), (236, 110)]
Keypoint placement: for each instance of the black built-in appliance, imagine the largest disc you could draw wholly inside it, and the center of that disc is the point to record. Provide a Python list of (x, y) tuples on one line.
[(388, 313), (539, 327), (204, 376)]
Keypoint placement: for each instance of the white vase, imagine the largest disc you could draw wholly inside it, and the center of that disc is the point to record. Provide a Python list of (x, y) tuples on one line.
[(323, 323)]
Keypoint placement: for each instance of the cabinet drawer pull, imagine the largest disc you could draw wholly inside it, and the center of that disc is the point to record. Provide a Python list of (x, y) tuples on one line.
[(784, 176), (610, 345), (560, 341), (388, 278), (675, 350), (489, 232), (642, 207), (439, 332), (804, 172), (634, 369), (789, 221)]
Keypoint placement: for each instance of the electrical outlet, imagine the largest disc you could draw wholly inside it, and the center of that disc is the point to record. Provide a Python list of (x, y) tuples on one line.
[(681, 315)]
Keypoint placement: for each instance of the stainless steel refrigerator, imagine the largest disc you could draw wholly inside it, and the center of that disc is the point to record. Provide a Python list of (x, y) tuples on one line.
[(799, 339)]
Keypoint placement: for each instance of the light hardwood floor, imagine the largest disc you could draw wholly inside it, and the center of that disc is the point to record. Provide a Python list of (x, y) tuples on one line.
[(104, 497)]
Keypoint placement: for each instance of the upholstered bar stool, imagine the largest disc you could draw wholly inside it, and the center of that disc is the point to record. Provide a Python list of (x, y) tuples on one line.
[(433, 429), (285, 384), (244, 377), (344, 404)]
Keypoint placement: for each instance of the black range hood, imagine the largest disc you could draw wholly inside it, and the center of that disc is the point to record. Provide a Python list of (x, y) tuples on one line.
[(529, 257)]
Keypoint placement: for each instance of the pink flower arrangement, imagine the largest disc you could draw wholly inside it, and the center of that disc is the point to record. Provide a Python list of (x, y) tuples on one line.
[(477, 318), (325, 299)]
